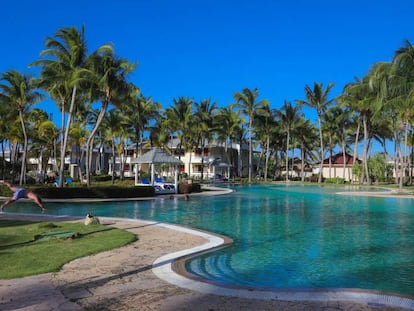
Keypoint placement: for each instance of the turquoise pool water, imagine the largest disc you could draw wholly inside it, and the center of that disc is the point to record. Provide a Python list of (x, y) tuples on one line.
[(287, 236)]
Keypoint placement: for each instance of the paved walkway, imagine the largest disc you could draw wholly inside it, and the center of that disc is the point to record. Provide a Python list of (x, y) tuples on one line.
[(122, 279)]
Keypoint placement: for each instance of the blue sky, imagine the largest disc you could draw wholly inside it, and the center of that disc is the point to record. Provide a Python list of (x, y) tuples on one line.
[(203, 49)]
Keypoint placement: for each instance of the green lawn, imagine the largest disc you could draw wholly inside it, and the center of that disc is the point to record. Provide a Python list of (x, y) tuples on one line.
[(28, 248)]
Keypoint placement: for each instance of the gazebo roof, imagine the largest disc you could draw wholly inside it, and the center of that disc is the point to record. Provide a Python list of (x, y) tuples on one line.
[(157, 156)]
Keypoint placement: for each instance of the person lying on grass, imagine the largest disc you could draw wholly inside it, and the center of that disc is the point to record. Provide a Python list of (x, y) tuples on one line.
[(19, 193)]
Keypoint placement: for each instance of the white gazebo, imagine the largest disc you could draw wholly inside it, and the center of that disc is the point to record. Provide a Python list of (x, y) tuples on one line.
[(157, 156)]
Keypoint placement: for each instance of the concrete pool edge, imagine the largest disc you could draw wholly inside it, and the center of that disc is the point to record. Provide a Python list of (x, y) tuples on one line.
[(171, 269)]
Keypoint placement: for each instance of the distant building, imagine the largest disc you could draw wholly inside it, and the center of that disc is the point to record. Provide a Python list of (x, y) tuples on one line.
[(339, 166)]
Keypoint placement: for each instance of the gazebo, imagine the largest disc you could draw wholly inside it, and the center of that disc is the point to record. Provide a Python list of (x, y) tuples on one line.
[(157, 156)]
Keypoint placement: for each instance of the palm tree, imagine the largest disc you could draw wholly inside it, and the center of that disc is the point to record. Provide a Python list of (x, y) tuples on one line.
[(402, 68), (203, 125), (318, 98), (247, 99), (77, 138), (225, 124), (113, 123), (19, 91), (107, 84), (289, 117), (178, 120), (264, 129), (306, 134), (62, 71), (356, 97), (139, 112), (48, 133), (383, 102)]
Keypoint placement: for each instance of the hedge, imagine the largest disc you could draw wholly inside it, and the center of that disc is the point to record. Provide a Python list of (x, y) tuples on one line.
[(109, 192)]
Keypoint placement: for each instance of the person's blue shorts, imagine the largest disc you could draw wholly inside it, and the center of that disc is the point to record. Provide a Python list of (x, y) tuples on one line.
[(19, 193)]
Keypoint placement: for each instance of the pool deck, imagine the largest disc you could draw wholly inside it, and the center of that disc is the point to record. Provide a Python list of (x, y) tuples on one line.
[(139, 276)]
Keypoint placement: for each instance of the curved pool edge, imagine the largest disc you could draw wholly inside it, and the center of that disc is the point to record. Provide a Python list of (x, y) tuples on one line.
[(171, 268)]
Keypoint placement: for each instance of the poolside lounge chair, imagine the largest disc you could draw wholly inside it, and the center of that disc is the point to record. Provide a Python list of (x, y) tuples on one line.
[(163, 187), (67, 181)]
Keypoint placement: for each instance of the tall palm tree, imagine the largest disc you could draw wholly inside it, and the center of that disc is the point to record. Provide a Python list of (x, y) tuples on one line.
[(62, 70), (48, 132), (289, 117), (203, 123), (139, 112), (383, 102), (356, 98), (306, 134), (178, 120), (317, 98), (264, 129), (226, 123), (77, 138), (108, 85), (247, 99), (402, 68), (18, 91), (113, 123), (334, 123)]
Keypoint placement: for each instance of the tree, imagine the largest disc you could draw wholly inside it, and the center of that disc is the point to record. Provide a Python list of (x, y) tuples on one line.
[(226, 124), (113, 124), (61, 74), (264, 128), (107, 78), (402, 68), (289, 117), (139, 111), (317, 98), (306, 134), (203, 125), (18, 90), (247, 99), (179, 121)]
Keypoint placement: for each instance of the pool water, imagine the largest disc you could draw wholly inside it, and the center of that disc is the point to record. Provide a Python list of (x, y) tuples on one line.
[(287, 236)]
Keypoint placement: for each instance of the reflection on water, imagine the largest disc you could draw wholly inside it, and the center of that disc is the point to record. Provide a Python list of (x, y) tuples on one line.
[(287, 235)]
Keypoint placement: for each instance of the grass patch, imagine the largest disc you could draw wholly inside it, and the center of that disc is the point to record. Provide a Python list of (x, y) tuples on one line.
[(23, 252)]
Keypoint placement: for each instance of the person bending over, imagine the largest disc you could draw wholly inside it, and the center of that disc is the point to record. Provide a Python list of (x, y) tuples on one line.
[(19, 193)]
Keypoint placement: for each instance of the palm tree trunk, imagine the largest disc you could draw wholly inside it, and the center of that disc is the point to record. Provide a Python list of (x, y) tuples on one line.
[(65, 138), (321, 144), (302, 155), (267, 157), (344, 164), (3, 160), (287, 156), (250, 150), (89, 142), (113, 161), (23, 168), (356, 145), (330, 156), (365, 156)]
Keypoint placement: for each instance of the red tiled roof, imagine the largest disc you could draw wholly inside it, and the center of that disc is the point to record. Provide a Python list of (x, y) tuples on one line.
[(339, 159)]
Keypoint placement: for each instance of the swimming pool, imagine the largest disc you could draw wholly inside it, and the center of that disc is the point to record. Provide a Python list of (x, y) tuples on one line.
[(287, 236)]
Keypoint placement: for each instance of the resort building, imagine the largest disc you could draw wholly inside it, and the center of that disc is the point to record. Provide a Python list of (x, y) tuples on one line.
[(338, 166)]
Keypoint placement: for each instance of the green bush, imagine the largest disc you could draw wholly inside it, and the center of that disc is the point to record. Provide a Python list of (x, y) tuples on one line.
[(109, 192), (335, 180)]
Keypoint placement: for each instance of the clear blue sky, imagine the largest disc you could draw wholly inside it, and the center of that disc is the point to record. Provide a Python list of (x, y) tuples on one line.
[(215, 48)]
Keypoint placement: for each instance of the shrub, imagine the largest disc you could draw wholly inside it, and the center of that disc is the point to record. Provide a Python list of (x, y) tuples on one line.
[(110, 192), (335, 180)]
